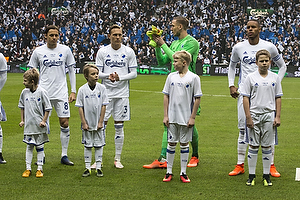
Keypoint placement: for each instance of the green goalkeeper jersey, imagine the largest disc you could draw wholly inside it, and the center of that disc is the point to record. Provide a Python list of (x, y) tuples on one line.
[(188, 44)]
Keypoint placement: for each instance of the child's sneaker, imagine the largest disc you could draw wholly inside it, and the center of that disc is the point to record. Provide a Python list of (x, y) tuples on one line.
[(27, 173), (168, 177), (267, 180), (184, 178), (99, 173), (118, 164), (251, 180), (86, 173), (39, 174)]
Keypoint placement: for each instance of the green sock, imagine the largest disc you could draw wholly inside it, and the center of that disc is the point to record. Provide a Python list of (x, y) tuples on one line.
[(194, 142), (199, 110), (164, 144)]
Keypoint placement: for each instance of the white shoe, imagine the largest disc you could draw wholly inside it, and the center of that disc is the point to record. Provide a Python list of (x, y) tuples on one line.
[(93, 166), (118, 164)]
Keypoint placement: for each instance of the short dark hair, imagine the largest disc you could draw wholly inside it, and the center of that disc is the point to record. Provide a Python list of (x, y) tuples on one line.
[(183, 21), (113, 27), (51, 27)]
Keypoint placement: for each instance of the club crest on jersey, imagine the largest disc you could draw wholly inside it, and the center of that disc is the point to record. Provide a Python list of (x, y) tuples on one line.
[(248, 60), (273, 84)]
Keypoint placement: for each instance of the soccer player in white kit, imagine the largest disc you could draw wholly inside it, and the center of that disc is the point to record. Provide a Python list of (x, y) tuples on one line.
[(3, 78), (91, 102), (263, 89), (117, 65), (35, 107), (182, 92), (244, 52), (52, 60)]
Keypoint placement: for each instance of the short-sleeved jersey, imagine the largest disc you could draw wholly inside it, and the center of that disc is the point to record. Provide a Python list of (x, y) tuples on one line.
[(52, 64), (262, 91), (245, 53), (181, 92), (92, 101), (109, 61), (188, 44), (34, 104)]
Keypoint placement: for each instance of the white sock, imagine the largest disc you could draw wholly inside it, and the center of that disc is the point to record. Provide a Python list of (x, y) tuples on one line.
[(1, 139), (252, 159), (170, 158), (241, 147), (266, 159), (64, 138), (88, 157), (29, 155), (184, 155), (119, 140), (40, 156), (273, 153), (98, 157)]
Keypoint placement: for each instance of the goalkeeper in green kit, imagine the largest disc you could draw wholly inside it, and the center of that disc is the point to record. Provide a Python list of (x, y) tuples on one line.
[(185, 42)]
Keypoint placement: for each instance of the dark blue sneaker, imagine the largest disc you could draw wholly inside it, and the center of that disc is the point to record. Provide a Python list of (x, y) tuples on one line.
[(65, 160)]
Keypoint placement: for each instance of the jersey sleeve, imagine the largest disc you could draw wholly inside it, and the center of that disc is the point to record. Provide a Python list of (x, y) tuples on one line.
[(162, 59), (3, 71), (33, 62), (46, 101), (79, 102), (21, 100), (245, 91), (234, 59), (278, 88), (166, 89), (197, 87), (278, 60)]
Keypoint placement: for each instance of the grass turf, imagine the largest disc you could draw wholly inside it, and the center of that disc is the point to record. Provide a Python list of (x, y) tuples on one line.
[(217, 127)]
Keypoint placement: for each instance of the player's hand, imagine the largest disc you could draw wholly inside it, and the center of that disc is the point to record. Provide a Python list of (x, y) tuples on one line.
[(111, 77), (42, 124), (117, 78), (166, 121), (72, 97), (191, 123), (85, 126), (249, 123), (276, 122), (21, 124), (234, 92), (158, 40)]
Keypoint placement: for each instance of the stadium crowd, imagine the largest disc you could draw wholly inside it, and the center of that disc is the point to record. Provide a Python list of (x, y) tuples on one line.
[(216, 24)]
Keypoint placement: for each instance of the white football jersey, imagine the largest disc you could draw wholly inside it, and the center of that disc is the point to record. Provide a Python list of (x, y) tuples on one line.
[(245, 53), (262, 91), (34, 104), (181, 92), (3, 71), (122, 61), (52, 64), (92, 101)]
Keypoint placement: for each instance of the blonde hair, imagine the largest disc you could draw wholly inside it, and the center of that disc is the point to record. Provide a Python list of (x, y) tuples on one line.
[(183, 55), (262, 52), (32, 74), (86, 69)]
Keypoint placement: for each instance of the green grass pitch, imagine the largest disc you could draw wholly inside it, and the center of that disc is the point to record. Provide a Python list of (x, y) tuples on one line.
[(217, 126)]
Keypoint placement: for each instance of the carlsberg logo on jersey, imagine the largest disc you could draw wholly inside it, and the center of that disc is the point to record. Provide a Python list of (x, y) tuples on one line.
[(114, 63), (249, 60), (52, 63)]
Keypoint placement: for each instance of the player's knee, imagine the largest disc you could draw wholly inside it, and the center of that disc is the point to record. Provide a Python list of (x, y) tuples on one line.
[(253, 147), (64, 122), (172, 144), (184, 144)]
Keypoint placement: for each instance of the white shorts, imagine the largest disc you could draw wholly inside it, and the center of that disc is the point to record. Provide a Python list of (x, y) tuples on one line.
[(118, 108), (2, 113), (93, 138), (179, 133), (36, 139), (61, 107), (241, 113), (263, 133)]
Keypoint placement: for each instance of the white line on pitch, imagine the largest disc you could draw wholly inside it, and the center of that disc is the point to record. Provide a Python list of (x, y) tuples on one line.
[(211, 95)]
